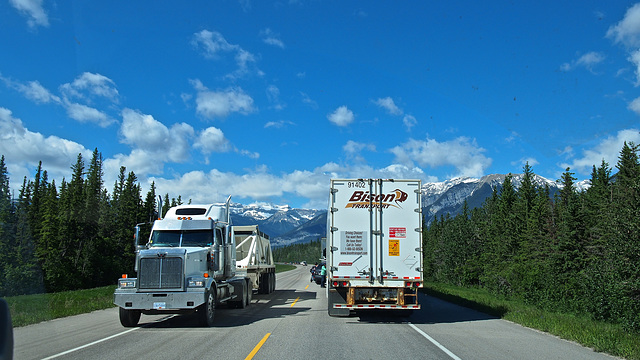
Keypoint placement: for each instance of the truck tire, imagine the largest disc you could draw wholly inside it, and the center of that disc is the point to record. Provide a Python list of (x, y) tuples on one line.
[(249, 292), (207, 310), (242, 302), (262, 285), (273, 282), (129, 318)]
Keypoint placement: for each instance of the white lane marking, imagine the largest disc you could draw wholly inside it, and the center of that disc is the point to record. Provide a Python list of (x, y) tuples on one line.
[(101, 340), (90, 344), (434, 342)]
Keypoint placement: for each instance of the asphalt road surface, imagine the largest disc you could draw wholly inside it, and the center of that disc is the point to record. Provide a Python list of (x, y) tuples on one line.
[(292, 323)]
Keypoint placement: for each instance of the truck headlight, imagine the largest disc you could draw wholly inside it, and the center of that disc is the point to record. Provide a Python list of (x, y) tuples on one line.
[(195, 283), (126, 283)]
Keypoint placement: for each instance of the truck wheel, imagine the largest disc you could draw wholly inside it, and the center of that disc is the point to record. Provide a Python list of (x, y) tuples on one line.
[(249, 292), (273, 282), (242, 303), (208, 309), (129, 318), (262, 285)]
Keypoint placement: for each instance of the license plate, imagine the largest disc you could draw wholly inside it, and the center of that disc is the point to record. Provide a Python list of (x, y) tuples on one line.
[(159, 305)]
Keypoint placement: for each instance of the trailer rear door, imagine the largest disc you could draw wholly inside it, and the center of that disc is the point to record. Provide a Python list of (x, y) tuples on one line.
[(374, 231)]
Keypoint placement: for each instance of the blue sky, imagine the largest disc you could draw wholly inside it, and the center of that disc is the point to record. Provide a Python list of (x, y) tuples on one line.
[(267, 101)]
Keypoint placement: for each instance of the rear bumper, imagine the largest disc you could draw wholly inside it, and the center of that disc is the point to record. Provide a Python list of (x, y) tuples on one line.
[(375, 306)]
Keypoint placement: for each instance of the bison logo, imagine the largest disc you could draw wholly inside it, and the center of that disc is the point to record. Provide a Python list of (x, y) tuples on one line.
[(401, 196)]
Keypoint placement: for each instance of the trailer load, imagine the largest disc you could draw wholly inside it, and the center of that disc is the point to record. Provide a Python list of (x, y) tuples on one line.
[(254, 257)]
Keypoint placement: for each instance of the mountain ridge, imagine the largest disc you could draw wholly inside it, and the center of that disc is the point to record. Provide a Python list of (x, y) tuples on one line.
[(286, 225)]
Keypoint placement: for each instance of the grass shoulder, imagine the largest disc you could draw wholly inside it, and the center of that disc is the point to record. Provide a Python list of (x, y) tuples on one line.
[(284, 267), (602, 337), (31, 309)]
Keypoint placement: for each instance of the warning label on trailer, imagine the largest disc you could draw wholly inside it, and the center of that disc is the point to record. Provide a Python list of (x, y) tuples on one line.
[(353, 243), (398, 232), (394, 247)]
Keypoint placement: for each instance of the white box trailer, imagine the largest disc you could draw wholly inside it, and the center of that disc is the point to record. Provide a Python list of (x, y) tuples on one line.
[(374, 245), (254, 257)]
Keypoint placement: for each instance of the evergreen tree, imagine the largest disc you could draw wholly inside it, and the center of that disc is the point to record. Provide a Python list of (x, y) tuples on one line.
[(7, 223)]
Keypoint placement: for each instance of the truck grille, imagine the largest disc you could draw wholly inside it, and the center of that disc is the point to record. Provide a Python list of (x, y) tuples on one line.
[(161, 273)]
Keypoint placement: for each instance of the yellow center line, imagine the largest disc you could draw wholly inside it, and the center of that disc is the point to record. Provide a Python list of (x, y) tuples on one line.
[(306, 287), (255, 349), (298, 298)]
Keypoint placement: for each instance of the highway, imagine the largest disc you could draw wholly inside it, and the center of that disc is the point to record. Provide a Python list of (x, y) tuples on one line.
[(292, 323)]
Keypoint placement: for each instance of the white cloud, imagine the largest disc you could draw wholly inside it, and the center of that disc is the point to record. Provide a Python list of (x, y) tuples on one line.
[(84, 113), (271, 38), (87, 87), (212, 45), (90, 84), (634, 58), (627, 31), (409, 121), (341, 116), (587, 61), (145, 133), (389, 105), (522, 162), (635, 105), (608, 150), (307, 100), (273, 95), (353, 147), (278, 124), (211, 140), (34, 11), (260, 185), (219, 104), (23, 149), (37, 93), (462, 153)]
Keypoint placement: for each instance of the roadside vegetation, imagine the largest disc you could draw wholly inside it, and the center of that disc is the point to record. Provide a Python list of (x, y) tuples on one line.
[(564, 263), (35, 308), (603, 337), (310, 252)]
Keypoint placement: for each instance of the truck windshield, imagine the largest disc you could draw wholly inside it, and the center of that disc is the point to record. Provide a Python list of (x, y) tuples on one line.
[(174, 238)]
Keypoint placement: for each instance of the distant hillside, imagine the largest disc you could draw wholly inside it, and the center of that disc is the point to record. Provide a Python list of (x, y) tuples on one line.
[(286, 225)]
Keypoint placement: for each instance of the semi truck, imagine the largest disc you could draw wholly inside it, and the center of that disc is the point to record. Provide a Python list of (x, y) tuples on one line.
[(374, 245), (187, 265)]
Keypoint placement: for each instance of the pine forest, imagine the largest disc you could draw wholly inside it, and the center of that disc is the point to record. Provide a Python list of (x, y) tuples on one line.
[(575, 252)]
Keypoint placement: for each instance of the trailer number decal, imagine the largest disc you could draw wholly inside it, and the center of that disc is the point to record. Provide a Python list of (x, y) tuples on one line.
[(398, 232), (394, 247), (353, 243)]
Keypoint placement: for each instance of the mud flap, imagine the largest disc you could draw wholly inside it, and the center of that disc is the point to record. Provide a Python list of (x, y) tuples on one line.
[(334, 297)]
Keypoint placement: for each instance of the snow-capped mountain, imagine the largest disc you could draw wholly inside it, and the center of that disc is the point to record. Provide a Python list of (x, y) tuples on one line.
[(273, 220), (286, 225), (448, 197)]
